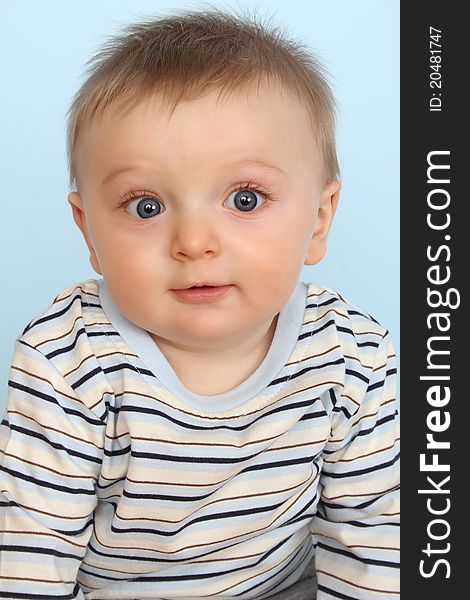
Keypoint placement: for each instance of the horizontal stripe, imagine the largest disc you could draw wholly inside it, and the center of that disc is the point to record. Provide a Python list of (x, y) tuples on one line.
[(46, 484), (362, 559), (48, 398)]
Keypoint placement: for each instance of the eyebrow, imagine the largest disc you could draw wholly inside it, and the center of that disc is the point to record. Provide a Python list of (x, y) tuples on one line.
[(115, 173), (259, 163), (255, 163)]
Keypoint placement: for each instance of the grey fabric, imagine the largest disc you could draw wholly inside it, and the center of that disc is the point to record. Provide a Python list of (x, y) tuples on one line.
[(304, 589)]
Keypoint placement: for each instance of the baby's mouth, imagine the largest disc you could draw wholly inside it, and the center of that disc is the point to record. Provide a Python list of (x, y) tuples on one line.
[(202, 293)]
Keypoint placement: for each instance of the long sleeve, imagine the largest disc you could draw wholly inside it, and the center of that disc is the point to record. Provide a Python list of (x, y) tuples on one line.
[(51, 448), (357, 525)]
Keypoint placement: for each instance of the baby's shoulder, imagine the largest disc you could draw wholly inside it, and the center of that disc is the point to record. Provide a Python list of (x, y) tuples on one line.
[(68, 311), (334, 317)]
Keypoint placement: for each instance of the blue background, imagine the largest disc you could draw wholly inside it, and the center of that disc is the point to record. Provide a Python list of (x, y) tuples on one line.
[(43, 50)]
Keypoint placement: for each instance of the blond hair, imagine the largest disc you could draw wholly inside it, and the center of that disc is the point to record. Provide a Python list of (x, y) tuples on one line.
[(181, 56)]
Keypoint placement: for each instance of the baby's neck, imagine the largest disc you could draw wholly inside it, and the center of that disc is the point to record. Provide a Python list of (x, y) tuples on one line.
[(215, 371)]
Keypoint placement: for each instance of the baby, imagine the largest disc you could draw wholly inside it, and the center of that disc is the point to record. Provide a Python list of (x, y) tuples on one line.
[(197, 423)]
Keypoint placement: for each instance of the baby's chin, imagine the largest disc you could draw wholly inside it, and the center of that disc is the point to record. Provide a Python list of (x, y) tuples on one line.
[(203, 334)]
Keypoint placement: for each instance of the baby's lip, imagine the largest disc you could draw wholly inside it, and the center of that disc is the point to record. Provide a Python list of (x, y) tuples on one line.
[(202, 294), (202, 284)]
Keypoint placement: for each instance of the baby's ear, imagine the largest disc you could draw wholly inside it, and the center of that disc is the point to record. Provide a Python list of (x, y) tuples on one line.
[(79, 216), (326, 212)]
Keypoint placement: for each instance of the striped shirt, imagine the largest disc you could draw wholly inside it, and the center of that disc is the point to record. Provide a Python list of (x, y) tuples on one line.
[(117, 483)]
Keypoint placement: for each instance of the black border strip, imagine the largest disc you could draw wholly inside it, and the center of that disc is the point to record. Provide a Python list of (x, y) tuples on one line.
[(425, 131)]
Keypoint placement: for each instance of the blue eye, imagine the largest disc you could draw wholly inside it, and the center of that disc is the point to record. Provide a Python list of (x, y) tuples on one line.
[(245, 200), (144, 207)]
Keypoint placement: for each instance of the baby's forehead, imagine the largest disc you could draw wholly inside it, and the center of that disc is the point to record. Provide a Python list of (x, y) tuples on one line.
[(252, 115), (257, 125)]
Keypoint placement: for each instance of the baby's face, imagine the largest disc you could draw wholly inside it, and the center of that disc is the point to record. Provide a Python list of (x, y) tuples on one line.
[(225, 193)]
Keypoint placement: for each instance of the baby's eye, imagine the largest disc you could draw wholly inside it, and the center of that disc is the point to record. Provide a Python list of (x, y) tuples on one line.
[(245, 200), (144, 207)]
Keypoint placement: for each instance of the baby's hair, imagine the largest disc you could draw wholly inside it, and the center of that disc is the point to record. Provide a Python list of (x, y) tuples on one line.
[(181, 56)]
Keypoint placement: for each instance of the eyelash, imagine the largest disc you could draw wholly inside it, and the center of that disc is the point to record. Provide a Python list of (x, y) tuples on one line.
[(134, 194), (255, 188)]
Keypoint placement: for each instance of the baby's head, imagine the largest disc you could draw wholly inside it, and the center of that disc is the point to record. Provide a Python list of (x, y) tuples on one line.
[(201, 147)]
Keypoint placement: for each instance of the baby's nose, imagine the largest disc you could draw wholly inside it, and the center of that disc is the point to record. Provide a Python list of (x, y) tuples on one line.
[(195, 237)]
